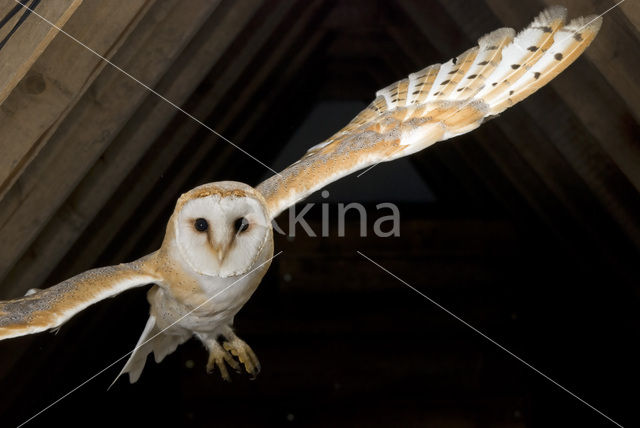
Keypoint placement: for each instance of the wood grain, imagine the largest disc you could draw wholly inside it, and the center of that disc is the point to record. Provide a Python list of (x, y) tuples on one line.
[(54, 83), (158, 159), (138, 134), (29, 39), (154, 43)]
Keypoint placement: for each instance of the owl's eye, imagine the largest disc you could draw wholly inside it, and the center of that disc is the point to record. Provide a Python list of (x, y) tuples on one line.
[(201, 224), (241, 224)]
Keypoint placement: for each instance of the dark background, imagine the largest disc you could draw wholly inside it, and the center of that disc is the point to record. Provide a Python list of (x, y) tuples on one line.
[(527, 229)]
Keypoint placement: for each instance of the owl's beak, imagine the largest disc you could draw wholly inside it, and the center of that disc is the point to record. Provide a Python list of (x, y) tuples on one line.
[(220, 250), (221, 254)]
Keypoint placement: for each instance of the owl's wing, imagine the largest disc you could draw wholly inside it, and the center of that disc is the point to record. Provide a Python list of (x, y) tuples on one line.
[(439, 102), (51, 307)]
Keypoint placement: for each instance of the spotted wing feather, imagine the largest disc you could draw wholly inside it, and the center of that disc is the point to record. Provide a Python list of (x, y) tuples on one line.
[(439, 102), (567, 45), (51, 307)]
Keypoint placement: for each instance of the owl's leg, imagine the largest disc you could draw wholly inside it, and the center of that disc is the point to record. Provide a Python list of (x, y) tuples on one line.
[(218, 357), (241, 351)]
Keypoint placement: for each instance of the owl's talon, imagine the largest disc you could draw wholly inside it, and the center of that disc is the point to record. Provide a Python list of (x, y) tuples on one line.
[(224, 373), (232, 362), (239, 348), (220, 358), (228, 349)]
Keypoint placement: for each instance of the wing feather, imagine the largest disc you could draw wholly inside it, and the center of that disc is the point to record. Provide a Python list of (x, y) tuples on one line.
[(420, 84), (455, 74), (489, 56), (568, 44), (51, 307), (524, 50), (439, 102)]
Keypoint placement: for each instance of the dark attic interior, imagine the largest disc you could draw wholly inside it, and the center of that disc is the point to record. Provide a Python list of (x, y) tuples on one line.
[(527, 228)]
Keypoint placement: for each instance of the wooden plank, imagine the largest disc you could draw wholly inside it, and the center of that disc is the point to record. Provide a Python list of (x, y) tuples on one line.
[(600, 111), (604, 90), (213, 156), (568, 191), (566, 130), (516, 187), (631, 10), (615, 50), (553, 193), (96, 119), (159, 159), (259, 107), (24, 36), (30, 115), (132, 142)]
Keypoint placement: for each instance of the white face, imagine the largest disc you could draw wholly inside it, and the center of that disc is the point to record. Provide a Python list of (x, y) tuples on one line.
[(222, 235)]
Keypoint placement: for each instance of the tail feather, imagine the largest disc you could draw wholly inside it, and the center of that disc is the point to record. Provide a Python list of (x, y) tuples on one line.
[(152, 340)]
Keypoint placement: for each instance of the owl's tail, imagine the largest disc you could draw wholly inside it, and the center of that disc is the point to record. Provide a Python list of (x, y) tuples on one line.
[(152, 340)]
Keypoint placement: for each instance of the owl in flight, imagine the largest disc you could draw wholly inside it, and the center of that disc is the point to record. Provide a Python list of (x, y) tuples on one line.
[(219, 240)]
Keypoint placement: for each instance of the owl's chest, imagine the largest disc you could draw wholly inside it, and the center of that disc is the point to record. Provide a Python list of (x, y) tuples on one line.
[(200, 302), (228, 293), (209, 304)]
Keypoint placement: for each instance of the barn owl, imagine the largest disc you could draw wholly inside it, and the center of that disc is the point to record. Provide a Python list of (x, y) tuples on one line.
[(219, 241)]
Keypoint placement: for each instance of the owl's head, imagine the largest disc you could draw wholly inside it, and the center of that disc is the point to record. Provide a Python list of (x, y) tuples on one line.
[(221, 228)]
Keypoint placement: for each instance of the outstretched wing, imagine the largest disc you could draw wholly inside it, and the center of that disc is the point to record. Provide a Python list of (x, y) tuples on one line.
[(439, 102), (51, 307)]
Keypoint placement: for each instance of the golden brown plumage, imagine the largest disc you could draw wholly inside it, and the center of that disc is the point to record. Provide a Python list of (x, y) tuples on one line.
[(51, 307), (439, 102)]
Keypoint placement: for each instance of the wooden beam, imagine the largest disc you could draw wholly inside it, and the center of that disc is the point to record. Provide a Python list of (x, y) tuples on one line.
[(551, 114), (602, 115), (132, 142), (95, 121), (159, 158), (601, 89), (560, 178), (55, 82), (517, 192), (613, 52), (24, 36), (260, 107), (631, 10), (214, 155)]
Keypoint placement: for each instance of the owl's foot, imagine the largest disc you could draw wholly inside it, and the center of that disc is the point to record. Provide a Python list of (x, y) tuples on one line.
[(219, 357), (239, 349), (229, 349)]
